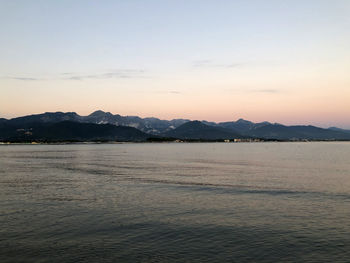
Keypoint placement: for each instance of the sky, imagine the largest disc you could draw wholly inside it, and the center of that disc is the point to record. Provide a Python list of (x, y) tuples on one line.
[(285, 61)]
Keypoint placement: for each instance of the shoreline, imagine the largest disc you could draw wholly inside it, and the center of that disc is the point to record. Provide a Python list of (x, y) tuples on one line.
[(170, 142)]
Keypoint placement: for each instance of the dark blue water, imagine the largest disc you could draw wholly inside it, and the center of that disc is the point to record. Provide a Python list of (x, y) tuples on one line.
[(215, 202)]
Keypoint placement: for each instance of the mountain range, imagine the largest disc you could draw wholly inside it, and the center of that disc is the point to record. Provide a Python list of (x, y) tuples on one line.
[(105, 126), (148, 125)]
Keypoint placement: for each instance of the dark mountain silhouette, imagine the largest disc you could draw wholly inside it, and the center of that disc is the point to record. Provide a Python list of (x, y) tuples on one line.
[(174, 128), (242, 126), (47, 117), (199, 130), (69, 131), (338, 129), (148, 125), (281, 132)]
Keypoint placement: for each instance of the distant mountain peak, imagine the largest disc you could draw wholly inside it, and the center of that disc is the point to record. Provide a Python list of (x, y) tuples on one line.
[(195, 122), (242, 121), (57, 112), (99, 113), (198, 130)]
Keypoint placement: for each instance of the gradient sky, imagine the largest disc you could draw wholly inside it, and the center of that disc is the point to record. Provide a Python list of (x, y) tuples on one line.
[(281, 61)]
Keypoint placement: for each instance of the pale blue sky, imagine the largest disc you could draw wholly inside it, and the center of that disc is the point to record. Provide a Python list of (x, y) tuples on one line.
[(285, 61)]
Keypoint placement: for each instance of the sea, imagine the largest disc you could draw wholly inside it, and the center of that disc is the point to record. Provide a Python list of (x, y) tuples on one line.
[(175, 202)]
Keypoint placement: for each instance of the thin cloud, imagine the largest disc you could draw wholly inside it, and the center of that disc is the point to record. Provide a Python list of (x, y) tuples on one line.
[(202, 63), (67, 73), (118, 74), (176, 92), (247, 90), (23, 78), (207, 63), (265, 91)]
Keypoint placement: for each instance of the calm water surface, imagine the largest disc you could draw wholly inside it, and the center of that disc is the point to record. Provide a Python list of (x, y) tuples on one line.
[(205, 202)]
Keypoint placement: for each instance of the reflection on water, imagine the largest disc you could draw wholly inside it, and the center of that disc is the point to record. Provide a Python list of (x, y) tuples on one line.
[(214, 202)]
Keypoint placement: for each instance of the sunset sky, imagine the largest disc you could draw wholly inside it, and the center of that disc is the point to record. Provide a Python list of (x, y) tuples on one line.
[(278, 61)]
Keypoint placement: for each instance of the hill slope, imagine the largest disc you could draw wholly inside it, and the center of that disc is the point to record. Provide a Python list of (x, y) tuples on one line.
[(69, 131), (281, 132), (199, 130)]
